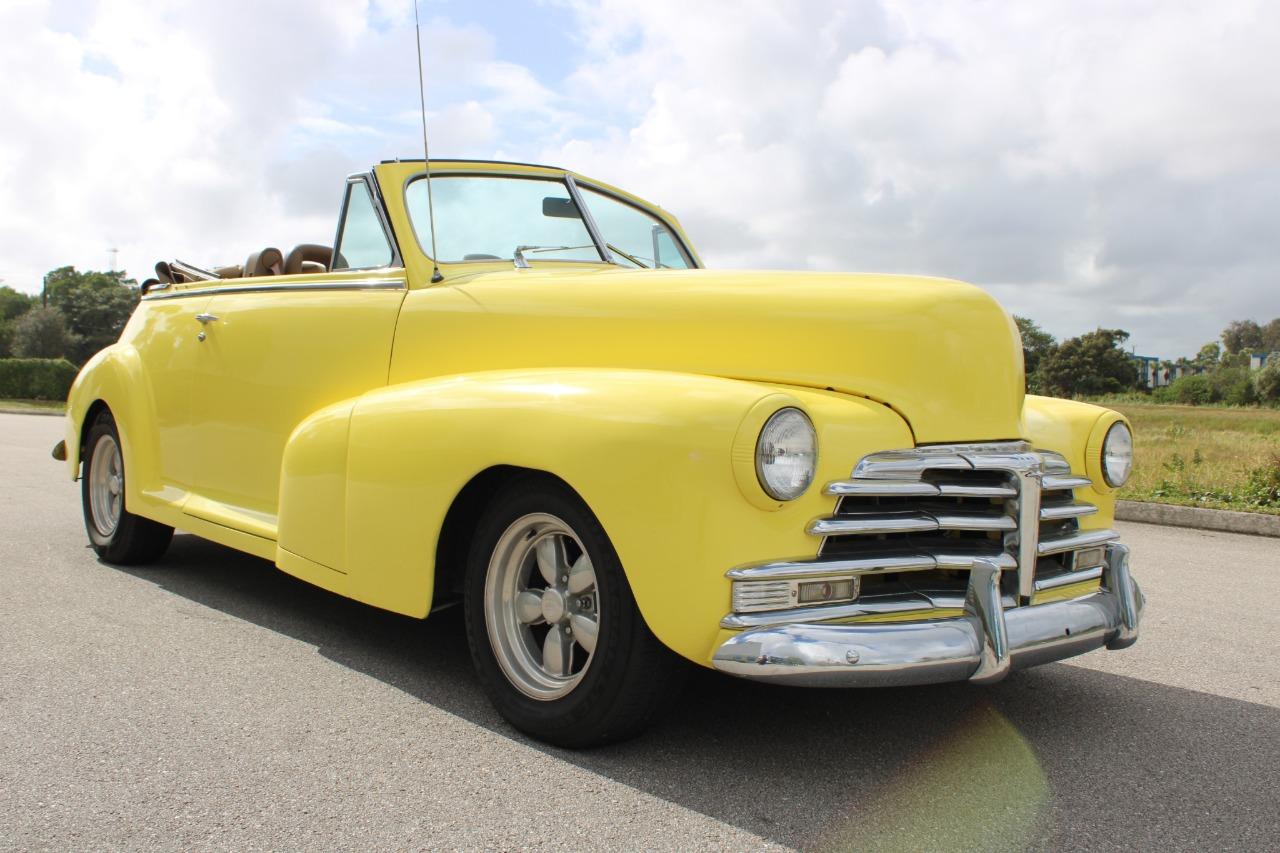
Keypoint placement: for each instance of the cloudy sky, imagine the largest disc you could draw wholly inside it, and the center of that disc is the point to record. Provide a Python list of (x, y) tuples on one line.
[(1090, 163)]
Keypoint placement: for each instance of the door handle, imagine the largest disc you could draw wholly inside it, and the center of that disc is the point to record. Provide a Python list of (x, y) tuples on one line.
[(204, 319)]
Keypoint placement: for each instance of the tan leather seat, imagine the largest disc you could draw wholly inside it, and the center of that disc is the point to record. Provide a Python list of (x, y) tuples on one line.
[(267, 262), (233, 271), (308, 258)]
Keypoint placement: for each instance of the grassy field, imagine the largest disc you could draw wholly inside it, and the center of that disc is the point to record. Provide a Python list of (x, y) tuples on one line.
[(32, 405), (1205, 456)]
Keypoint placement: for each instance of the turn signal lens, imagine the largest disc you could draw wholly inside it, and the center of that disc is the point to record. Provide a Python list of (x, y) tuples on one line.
[(821, 592), (786, 454)]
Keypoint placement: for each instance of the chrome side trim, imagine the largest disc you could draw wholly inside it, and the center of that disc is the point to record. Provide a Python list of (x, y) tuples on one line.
[(981, 645), (381, 284), (1068, 578)]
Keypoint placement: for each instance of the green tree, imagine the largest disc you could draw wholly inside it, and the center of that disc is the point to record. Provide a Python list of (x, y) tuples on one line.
[(96, 306), (41, 333), (1036, 344), (1094, 363), (13, 304), (1271, 336), (1242, 336), (1209, 356)]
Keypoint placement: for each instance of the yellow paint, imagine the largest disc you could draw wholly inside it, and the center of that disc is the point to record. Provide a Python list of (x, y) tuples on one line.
[(331, 431)]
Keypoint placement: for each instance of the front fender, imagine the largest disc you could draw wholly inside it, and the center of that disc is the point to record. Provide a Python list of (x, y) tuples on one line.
[(650, 452), (114, 376), (1076, 431)]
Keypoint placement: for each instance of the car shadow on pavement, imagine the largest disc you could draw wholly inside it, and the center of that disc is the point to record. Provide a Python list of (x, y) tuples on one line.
[(1056, 757)]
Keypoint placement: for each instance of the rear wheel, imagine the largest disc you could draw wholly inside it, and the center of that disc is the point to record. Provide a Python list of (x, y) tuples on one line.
[(117, 535), (555, 634)]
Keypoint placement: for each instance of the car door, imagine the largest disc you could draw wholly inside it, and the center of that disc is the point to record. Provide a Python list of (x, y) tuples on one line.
[(278, 349), (165, 333)]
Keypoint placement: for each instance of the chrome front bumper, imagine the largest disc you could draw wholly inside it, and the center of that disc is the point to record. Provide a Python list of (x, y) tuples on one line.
[(981, 646)]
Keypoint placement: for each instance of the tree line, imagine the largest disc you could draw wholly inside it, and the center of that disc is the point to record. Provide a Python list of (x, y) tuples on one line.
[(1096, 363), (75, 315)]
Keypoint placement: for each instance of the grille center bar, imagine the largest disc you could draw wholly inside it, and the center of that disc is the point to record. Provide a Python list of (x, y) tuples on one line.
[(1028, 469)]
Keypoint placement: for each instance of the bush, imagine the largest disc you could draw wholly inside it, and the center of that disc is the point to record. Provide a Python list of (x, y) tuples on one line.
[(1191, 390), (1266, 382), (36, 378)]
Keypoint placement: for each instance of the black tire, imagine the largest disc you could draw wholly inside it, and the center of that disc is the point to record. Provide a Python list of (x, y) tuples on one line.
[(630, 675), (131, 540)]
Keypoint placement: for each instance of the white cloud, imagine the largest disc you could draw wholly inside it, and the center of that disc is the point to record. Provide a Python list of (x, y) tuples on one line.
[(1092, 163), (1089, 162)]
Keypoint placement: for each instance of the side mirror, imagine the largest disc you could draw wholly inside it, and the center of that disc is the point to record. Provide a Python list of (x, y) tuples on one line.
[(560, 208)]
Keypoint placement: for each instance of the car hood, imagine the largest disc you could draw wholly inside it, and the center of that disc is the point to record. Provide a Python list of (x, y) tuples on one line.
[(941, 353)]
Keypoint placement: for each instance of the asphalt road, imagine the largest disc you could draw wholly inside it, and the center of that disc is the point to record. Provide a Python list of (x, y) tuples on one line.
[(211, 702)]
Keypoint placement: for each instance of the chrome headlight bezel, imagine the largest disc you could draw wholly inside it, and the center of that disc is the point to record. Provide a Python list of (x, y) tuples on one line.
[(1116, 457), (787, 435)]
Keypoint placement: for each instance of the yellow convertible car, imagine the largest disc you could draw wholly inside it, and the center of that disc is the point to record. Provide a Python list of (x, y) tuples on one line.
[(614, 459)]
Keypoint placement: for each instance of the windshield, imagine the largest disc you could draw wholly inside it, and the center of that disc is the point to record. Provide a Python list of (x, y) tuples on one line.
[(485, 218)]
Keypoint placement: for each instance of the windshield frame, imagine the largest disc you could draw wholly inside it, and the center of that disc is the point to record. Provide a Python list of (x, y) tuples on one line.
[(570, 182)]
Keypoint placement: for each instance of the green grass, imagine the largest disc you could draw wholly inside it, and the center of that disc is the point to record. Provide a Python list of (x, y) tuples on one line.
[(32, 405), (1216, 457)]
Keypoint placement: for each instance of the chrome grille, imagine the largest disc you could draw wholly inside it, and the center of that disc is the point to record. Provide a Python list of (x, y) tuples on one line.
[(910, 524), (1002, 502)]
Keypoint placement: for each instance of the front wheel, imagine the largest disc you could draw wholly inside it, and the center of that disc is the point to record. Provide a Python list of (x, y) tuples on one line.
[(118, 536), (557, 640)]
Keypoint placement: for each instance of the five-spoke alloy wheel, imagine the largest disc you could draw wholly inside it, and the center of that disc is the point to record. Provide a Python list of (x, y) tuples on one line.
[(555, 634), (117, 535), (541, 607)]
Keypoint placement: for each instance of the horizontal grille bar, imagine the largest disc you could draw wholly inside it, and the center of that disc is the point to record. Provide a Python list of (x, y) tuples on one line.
[(869, 523), (916, 488), (1057, 483), (787, 570), (1068, 578), (1072, 510), (1075, 541)]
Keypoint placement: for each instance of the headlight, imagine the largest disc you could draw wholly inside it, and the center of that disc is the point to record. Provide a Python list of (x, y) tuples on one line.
[(786, 454), (1117, 455)]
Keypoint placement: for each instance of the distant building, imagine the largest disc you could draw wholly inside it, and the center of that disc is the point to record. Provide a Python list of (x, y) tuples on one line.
[(1259, 360), (1154, 372), (1150, 373)]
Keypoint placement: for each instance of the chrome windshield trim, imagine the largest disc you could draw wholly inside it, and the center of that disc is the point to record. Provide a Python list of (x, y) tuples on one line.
[(387, 284), (588, 220)]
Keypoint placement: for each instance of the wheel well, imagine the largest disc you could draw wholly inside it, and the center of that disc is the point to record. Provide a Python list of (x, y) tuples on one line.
[(91, 415), (460, 524)]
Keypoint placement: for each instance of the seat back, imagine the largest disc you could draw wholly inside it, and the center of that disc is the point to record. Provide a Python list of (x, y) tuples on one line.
[(308, 258), (269, 261)]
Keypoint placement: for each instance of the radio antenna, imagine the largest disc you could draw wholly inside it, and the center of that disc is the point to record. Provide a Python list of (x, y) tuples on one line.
[(426, 148)]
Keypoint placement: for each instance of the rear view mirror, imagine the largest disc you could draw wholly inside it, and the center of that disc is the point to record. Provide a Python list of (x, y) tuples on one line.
[(560, 208)]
